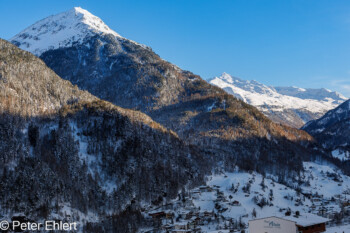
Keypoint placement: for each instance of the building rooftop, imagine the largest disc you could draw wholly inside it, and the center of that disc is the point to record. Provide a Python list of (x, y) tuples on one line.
[(306, 219)]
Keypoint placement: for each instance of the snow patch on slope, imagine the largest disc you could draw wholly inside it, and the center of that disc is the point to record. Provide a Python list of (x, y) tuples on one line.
[(93, 162), (326, 180), (340, 154)]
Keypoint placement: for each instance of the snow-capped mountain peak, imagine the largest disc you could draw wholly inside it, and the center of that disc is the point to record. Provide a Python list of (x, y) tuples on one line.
[(92, 21), (289, 105), (244, 86), (61, 30), (228, 78)]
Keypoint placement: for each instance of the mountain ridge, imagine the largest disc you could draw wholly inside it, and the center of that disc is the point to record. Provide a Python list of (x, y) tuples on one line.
[(62, 30), (133, 76), (288, 105), (332, 130)]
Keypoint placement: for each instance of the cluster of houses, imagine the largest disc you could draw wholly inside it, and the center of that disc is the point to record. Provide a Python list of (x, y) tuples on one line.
[(190, 219), (183, 216), (328, 207), (185, 221), (306, 223), (190, 223)]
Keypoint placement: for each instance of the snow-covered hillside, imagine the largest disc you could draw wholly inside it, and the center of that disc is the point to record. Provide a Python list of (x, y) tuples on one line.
[(61, 30), (229, 200), (289, 105)]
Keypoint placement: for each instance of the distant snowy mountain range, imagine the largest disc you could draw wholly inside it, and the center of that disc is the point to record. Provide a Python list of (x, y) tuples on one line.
[(288, 105)]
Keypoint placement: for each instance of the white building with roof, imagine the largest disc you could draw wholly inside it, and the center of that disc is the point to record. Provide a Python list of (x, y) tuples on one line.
[(272, 225), (306, 223)]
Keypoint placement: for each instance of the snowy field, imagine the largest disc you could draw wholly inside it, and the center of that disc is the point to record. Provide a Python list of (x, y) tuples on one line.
[(341, 229)]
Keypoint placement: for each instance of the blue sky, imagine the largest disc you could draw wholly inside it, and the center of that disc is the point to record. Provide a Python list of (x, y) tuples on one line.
[(303, 43)]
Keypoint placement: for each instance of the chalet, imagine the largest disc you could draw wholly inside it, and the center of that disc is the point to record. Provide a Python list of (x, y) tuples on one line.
[(167, 227), (169, 215), (220, 199), (189, 215), (183, 214), (205, 188), (157, 215), (309, 223), (184, 226), (306, 223), (198, 221), (322, 211), (236, 203), (316, 199), (307, 194), (347, 203), (196, 191), (208, 214), (181, 231)]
